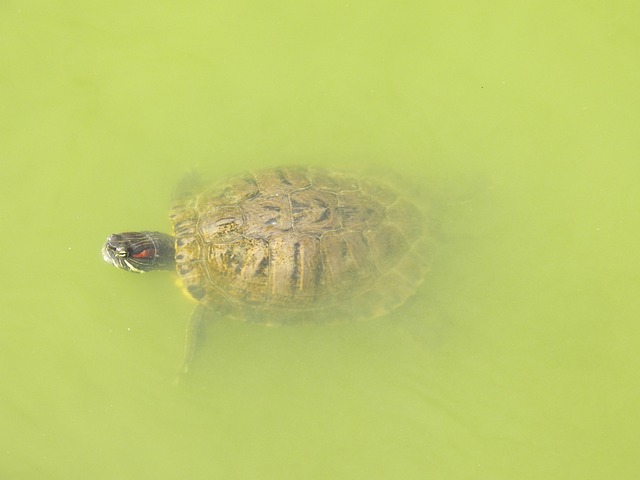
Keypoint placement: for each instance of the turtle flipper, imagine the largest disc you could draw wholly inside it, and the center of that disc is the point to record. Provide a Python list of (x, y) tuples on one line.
[(194, 336), (189, 185)]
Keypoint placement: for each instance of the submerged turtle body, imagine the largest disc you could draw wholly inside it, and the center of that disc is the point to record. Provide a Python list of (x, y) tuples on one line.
[(298, 245)]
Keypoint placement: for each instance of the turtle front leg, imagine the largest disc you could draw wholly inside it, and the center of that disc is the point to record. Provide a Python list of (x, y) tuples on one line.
[(194, 337)]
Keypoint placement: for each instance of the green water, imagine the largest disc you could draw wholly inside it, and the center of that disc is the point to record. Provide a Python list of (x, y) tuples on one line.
[(518, 357)]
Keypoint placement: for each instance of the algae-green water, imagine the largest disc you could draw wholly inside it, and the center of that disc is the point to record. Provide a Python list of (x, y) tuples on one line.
[(516, 359)]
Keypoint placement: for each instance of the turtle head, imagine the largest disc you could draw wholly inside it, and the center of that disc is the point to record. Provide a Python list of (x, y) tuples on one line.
[(140, 252)]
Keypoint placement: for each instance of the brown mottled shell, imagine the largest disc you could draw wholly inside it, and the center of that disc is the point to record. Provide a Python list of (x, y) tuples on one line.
[(299, 245)]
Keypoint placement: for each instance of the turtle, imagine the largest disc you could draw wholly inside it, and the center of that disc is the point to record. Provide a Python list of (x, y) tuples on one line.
[(286, 245)]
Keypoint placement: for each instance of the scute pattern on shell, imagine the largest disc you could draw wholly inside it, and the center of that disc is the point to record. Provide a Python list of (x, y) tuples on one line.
[(269, 245)]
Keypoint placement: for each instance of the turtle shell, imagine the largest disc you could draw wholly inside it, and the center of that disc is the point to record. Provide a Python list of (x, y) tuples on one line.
[(299, 245)]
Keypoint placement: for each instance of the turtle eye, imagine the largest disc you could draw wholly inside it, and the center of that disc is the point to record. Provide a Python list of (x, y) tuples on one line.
[(121, 252)]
